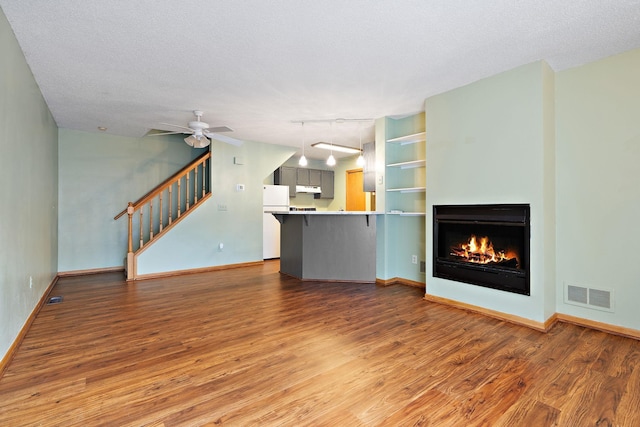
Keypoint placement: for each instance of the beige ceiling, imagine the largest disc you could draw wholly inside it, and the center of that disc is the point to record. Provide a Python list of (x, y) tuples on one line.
[(257, 65)]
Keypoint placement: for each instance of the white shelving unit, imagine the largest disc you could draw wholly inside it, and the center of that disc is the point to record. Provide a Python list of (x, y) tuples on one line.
[(413, 163), (408, 165), (402, 213), (408, 189), (408, 139), (402, 238)]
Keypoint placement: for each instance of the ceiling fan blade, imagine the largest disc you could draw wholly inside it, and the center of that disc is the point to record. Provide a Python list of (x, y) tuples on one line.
[(163, 133), (178, 126), (224, 138), (219, 129)]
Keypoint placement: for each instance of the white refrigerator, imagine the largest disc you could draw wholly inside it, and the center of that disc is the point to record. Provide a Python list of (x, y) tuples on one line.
[(274, 198)]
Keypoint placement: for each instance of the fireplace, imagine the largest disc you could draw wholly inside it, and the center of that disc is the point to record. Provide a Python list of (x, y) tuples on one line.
[(484, 245)]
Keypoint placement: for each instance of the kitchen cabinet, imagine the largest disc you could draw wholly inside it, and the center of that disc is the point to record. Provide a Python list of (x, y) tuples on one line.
[(327, 179), (315, 177), (302, 176), (312, 177), (286, 175)]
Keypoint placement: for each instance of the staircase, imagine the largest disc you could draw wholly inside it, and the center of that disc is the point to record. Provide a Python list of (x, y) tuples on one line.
[(155, 213)]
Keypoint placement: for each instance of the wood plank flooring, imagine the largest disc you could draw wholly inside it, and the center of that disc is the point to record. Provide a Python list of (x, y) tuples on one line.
[(248, 347)]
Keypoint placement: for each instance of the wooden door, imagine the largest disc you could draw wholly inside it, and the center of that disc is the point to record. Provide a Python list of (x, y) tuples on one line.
[(355, 191)]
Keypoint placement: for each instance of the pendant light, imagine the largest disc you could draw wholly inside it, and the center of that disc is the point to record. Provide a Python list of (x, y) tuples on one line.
[(303, 159), (360, 161), (331, 161)]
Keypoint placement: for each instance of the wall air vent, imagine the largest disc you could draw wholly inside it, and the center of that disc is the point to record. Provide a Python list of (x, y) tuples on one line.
[(598, 299)]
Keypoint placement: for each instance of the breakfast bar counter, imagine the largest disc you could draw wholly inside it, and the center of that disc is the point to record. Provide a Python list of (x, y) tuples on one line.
[(328, 245)]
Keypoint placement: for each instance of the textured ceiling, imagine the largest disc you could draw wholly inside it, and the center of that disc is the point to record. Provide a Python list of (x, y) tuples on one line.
[(256, 65)]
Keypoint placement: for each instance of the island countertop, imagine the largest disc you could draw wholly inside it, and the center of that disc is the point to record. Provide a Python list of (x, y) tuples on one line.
[(328, 245), (325, 212)]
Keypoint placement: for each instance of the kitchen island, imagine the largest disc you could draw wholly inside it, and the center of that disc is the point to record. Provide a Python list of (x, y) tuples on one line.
[(328, 245)]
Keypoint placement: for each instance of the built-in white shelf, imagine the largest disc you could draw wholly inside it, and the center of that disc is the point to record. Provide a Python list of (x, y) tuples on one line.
[(408, 189), (408, 165), (406, 213), (408, 139)]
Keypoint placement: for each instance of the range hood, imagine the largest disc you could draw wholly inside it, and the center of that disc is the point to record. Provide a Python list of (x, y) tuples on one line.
[(313, 189)]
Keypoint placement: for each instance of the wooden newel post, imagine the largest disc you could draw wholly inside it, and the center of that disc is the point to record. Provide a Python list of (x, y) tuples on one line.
[(130, 258), (130, 213)]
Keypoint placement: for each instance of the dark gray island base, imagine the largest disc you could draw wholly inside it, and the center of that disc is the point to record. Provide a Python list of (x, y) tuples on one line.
[(333, 246)]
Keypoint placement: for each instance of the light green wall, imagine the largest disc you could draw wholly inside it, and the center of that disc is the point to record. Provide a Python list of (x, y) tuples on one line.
[(28, 173), (99, 175), (193, 243), (488, 143), (549, 189), (598, 156)]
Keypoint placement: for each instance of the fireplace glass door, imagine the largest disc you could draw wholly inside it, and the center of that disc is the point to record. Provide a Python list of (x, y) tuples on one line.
[(485, 245)]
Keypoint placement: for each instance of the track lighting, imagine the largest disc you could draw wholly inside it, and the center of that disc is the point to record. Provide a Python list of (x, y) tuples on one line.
[(331, 161), (303, 159), (360, 161)]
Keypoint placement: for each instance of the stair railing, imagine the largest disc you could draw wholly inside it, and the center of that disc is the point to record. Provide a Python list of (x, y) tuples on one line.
[(170, 202)]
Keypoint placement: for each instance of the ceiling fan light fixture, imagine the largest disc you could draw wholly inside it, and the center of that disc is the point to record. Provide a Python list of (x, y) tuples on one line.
[(202, 142), (190, 140), (199, 131), (197, 141)]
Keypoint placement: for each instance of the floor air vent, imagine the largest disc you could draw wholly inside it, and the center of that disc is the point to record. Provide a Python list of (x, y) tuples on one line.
[(599, 299), (54, 300)]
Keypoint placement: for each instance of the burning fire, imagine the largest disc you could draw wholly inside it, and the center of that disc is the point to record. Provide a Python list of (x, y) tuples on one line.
[(481, 251)]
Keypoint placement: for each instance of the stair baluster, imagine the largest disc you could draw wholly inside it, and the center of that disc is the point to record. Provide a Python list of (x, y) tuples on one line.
[(174, 215)]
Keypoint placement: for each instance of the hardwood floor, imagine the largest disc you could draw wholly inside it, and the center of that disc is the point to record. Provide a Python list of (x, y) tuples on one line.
[(251, 347)]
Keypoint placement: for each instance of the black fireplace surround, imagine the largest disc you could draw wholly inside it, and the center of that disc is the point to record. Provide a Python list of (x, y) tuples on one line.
[(458, 231)]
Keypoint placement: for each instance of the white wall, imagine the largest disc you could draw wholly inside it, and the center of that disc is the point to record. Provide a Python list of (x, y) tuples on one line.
[(488, 143), (29, 208), (99, 175), (598, 157)]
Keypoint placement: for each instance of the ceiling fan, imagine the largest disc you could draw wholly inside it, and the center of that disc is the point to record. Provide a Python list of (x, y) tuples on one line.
[(200, 130)]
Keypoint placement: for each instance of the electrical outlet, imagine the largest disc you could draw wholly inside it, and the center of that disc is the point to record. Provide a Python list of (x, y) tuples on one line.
[(222, 207), (414, 259), (30, 282)]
